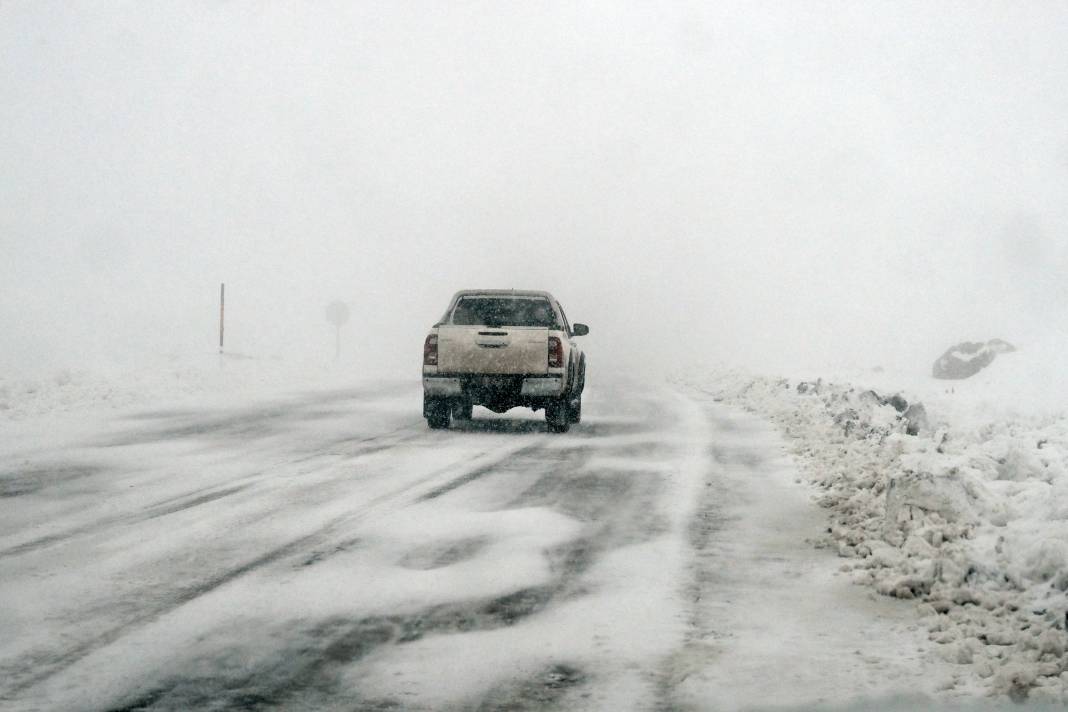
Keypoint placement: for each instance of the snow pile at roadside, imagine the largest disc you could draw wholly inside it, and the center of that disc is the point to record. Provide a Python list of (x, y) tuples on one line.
[(958, 504)]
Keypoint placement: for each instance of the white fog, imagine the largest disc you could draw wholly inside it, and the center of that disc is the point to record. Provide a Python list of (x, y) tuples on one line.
[(863, 184), (727, 193)]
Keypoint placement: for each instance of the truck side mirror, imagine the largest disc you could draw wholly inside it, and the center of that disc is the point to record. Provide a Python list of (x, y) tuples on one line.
[(579, 329)]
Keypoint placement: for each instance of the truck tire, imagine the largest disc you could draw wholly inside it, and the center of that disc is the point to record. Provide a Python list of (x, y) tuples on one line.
[(556, 416), (574, 404), (436, 411), (574, 410)]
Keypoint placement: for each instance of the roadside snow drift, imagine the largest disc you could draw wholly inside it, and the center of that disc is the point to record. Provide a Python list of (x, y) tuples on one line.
[(957, 503)]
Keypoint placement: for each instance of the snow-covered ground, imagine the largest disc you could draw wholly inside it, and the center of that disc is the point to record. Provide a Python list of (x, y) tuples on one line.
[(170, 380), (960, 505), (271, 538)]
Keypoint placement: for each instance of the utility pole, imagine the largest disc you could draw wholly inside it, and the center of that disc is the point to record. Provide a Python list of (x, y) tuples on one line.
[(222, 313)]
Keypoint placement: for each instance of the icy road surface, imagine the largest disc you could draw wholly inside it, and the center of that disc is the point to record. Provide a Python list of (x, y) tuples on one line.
[(326, 550)]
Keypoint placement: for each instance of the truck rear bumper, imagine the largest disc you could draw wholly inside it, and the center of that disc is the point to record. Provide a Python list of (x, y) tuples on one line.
[(497, 389)]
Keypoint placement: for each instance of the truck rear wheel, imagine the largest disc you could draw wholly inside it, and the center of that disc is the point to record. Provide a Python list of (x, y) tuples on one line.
[(574, 410), (556, 416), (436, 412)]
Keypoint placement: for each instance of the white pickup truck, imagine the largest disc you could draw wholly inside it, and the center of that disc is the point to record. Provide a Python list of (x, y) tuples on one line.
[(502, 348)]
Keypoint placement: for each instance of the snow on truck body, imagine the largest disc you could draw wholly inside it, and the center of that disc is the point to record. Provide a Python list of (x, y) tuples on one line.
[(501, 349)]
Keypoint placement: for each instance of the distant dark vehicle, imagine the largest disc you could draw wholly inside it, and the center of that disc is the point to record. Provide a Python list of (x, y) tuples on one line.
[(501, 349)]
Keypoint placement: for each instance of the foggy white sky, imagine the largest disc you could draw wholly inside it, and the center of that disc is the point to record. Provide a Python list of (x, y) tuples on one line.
[(780, 182)]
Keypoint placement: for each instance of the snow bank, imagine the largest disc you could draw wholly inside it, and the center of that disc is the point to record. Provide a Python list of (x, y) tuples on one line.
[(959, 502)]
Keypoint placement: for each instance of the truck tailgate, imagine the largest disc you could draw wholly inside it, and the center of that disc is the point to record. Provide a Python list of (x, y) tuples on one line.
[(484, 349)]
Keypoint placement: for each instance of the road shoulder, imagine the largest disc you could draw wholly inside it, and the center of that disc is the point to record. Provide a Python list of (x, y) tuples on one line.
[(772, 625)]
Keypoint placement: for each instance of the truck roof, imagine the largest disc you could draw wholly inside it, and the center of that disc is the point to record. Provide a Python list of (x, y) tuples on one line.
[(504, 292)]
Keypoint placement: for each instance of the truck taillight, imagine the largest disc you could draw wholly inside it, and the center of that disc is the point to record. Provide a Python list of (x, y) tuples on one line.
[(430, 350), (556, 352)]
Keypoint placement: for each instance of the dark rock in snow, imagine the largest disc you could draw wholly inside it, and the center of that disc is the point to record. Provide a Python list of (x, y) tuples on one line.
[(914, 415), (898, 401), (916, 422), (969, 358)]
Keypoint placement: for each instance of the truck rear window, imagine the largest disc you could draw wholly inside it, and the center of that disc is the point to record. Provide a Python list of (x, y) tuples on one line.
[(504, 311)]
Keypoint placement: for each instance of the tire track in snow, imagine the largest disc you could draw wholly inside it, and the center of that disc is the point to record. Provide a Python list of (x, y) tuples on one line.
[(630, 482), (171, 505), (444, 478)]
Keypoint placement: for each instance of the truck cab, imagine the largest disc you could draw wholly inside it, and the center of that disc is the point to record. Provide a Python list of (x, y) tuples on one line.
[(501, 349)]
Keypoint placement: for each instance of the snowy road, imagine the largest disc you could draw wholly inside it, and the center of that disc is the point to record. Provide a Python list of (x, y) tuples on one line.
[(328, 551)]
